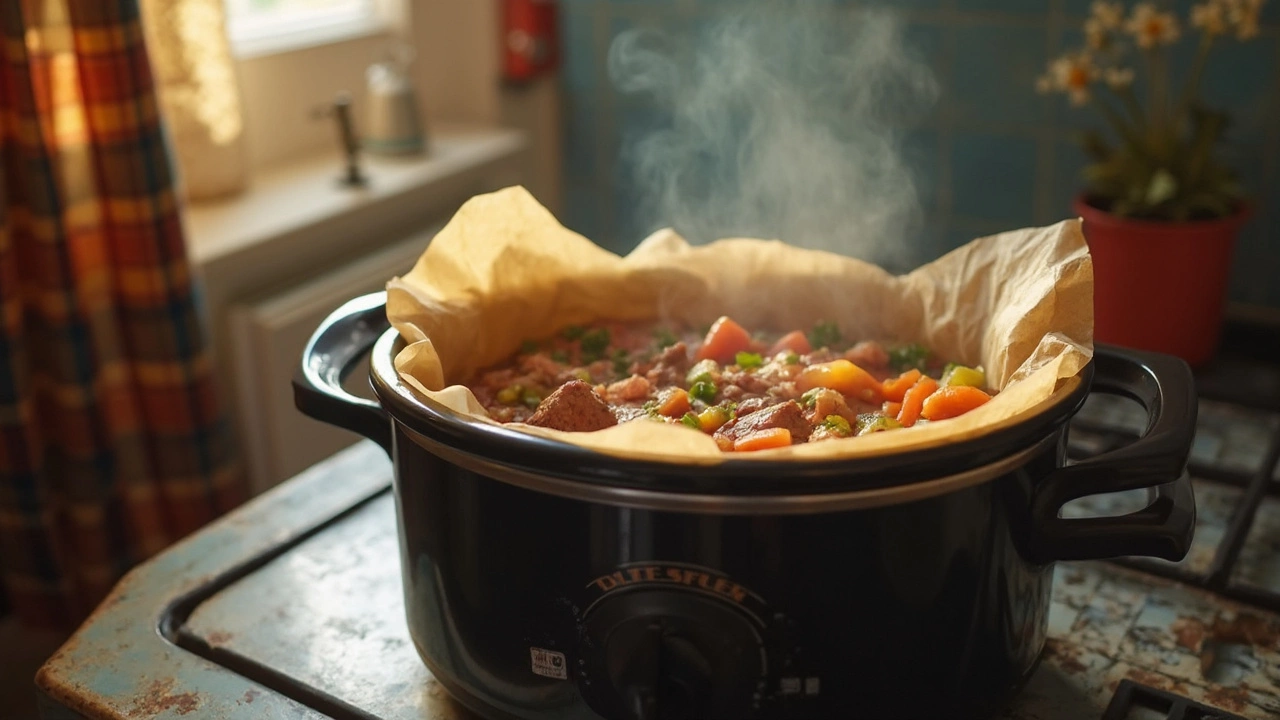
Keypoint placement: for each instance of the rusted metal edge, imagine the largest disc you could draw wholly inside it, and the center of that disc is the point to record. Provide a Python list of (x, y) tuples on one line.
[(123, 664)]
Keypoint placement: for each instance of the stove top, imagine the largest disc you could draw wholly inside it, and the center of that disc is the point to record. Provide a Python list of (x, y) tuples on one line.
[(292, 606)]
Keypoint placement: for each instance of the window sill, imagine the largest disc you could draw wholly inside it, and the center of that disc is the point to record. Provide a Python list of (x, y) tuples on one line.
[(277, 43), (302, 206)]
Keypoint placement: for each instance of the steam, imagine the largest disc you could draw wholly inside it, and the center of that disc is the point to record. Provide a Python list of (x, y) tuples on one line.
[(786, 121)]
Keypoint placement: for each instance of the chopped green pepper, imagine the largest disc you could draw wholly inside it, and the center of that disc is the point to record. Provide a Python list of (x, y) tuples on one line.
[(560, 356), (703, 390), (573, 332), (907, 357), (582, 374), (664, 338), (960, 375), (594, 343), (714, 417), (748, 360), (791, 358), (875, 422), (837, 425), (702, 371), (691, 420), (810, 398), (825, 334), (511, 395)]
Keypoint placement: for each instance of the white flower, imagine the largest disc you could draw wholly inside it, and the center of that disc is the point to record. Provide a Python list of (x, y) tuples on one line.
[(1150, 27), (1118, 78), (1107, 15), (1210, 17), (1071, 74)]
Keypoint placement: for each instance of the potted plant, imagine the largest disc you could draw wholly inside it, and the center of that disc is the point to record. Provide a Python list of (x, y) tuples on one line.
[(1161, 212)]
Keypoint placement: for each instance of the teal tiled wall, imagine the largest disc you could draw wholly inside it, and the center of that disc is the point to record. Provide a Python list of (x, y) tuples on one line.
[(992, 155)]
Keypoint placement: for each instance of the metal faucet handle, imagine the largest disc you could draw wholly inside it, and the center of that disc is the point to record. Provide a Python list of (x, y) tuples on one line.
[(340, 109)]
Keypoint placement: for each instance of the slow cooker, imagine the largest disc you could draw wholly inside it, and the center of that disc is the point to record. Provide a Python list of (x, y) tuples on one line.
[(544, 580)]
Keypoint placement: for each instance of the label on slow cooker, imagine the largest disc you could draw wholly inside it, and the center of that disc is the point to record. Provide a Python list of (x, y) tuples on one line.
[(548, 663)]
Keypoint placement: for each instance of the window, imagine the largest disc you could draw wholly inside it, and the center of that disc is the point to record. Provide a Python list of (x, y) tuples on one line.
[(263, 26)]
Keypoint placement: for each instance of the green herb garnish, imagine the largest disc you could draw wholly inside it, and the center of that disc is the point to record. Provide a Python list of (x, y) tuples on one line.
[(810, 398), (748, 360), (594, 343), (664, 338), (573, 332), (691, 420), (907, 357), (791, 358), (703, 390), (825, 334), (837, 425), (875, 422)]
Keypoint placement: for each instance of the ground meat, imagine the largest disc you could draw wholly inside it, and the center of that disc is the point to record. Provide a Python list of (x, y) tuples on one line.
[(751, 383), (574, 407), (670, 367), (868, 355), (632, 388), (830, 402), (787, 415)]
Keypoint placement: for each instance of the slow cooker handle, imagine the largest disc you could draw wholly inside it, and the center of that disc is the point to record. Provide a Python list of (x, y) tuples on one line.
[(333, 350), (1165, 387)]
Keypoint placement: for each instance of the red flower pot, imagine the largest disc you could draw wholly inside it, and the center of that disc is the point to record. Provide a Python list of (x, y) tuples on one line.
[(1160, 286)]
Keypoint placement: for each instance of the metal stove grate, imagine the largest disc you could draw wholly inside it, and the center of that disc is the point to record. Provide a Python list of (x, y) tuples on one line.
[(1248, 394), (1132, 698)]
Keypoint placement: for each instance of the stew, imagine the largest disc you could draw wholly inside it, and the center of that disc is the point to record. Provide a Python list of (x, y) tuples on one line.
[(748, 390)]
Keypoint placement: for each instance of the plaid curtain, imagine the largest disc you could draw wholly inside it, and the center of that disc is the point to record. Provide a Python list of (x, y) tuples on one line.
[(112, 444)]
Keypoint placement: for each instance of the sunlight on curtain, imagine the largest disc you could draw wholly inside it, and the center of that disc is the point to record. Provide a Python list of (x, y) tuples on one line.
[(200, 93)]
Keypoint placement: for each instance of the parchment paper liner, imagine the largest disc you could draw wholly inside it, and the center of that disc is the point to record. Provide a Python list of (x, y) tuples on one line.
[(504, 271)]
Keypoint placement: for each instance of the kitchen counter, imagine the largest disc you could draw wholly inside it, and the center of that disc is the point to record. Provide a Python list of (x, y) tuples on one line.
[(302, 588)]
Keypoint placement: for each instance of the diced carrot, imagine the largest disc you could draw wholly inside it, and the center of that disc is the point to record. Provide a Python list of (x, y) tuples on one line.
[(763, 440), (843, 376), (952, 401), (724, 340), (896, 388), (914, 400), (794, 341), (891, 408), (674, 403)]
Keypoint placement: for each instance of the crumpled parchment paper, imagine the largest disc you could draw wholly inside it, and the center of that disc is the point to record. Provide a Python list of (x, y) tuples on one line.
[(504, 270)]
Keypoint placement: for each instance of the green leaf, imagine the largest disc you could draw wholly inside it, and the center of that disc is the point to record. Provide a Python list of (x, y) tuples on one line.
[(1162, 187)]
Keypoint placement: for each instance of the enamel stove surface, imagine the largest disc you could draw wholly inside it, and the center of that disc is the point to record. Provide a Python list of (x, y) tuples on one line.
[(292, 607)]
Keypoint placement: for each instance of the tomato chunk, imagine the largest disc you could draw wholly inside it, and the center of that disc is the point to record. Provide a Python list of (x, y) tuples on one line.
[(952, 401), (724, 341)]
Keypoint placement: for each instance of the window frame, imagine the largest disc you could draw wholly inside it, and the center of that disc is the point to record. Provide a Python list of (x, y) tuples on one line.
[(382, 17)]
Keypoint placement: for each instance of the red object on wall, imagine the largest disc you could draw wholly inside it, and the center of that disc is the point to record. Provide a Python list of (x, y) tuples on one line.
[(530, 41)]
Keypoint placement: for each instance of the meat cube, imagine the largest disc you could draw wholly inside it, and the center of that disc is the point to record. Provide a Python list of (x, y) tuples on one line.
[(670, 367), (632, 388), (573, 407), (831, 402), (787, 415)]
